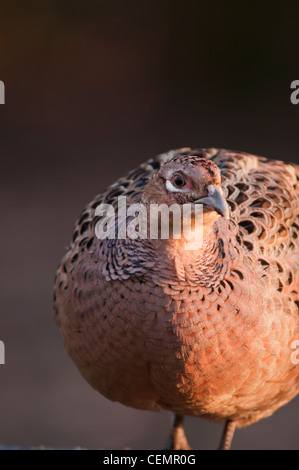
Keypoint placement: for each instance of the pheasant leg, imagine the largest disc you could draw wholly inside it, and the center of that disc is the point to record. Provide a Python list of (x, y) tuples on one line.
[(227, 435), (178, 440)]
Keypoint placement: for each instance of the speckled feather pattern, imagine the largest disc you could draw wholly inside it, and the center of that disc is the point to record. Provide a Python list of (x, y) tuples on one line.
[(207, 333)]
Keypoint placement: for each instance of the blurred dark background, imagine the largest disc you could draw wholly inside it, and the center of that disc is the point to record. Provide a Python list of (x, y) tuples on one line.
[(92, 89)]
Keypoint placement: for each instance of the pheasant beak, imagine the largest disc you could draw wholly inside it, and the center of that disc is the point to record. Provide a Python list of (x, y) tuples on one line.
[(215, 200)]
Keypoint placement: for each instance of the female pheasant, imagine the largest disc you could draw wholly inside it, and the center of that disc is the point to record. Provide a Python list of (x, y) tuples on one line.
[(202, 332)]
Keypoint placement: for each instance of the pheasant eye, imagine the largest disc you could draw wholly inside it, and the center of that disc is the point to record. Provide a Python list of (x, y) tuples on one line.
[(178, 181)]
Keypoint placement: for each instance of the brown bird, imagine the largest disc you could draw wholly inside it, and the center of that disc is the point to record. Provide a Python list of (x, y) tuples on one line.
[(207, 331)]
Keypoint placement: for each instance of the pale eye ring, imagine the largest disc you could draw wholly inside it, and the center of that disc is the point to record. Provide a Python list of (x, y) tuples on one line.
[(178, 182)]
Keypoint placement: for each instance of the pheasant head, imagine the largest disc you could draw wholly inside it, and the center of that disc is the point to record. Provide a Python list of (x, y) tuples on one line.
[(190, 179)]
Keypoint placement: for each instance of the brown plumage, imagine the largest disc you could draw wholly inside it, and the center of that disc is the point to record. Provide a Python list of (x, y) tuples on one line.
[(204, 332)]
